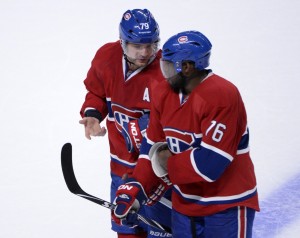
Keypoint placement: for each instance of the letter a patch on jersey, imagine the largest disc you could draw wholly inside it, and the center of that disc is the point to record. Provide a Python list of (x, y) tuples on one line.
[(146, 95)]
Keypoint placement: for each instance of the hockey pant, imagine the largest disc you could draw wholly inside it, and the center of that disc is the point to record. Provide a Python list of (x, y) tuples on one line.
[(235, 222)]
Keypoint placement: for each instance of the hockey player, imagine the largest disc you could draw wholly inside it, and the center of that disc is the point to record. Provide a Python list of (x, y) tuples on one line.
[(119, 88), (198, 140)]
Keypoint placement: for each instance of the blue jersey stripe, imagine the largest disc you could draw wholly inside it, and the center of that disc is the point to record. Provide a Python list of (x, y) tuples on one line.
[(210, 169)]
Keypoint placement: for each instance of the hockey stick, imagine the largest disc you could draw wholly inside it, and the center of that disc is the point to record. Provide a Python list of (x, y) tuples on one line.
[(73, 186)]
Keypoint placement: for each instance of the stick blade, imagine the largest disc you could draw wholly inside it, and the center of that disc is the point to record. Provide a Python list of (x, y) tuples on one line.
[(67, 168)]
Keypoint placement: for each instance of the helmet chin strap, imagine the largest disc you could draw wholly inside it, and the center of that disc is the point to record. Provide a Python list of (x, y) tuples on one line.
[(123, 45), (130, 63), (131, 66), (126, 59)]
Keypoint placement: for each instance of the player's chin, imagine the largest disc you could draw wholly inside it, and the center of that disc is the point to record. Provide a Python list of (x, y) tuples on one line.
[(141, 62)]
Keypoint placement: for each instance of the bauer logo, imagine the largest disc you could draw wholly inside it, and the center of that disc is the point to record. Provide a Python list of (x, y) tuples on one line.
[(182, 39), (159, 234), (127, 16)]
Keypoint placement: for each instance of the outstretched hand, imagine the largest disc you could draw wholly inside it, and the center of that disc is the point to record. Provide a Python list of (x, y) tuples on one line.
[(92, 127)]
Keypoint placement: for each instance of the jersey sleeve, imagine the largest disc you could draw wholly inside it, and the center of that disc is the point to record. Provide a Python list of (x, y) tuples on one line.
[(94, 83), (224, 131), (143, 171)]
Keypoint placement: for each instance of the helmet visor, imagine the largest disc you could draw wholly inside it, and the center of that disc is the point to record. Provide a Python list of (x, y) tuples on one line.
[(167, 68), (150, 48)]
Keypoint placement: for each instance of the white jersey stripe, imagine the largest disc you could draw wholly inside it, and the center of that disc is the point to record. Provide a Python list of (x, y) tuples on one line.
[(215, 199), (217, 150), (122, 161)]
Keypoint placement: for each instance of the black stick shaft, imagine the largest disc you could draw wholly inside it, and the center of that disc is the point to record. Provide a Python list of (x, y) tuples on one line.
[(73, 186)]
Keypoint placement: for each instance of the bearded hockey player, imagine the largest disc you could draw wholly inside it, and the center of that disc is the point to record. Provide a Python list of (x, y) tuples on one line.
[(197, 140)]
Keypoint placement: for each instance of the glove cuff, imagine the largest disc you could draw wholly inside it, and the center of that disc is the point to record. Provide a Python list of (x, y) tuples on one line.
[(133, 188), (156, 166)]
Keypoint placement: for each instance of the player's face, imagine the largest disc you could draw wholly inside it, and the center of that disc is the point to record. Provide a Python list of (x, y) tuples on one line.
[(177, 77), (140, 54), (167, 68)]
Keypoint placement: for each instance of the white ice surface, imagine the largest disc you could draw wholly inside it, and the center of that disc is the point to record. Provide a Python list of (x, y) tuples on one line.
[(45, 52)]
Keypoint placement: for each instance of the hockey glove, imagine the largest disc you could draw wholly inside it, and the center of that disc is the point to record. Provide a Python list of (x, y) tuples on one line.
[(159, 164), (158, 193), (134, 131), (129, 198)]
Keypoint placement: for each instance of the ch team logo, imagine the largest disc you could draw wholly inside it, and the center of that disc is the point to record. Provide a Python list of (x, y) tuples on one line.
[(182, 39), (127, 16), (123, 115), (179, 141)]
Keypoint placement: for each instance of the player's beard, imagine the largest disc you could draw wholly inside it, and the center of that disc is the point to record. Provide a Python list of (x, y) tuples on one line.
[(177, 83), (180, 83)]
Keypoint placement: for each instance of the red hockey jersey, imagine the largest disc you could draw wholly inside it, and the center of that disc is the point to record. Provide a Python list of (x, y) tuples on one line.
[(119, 98), (207, 133)]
